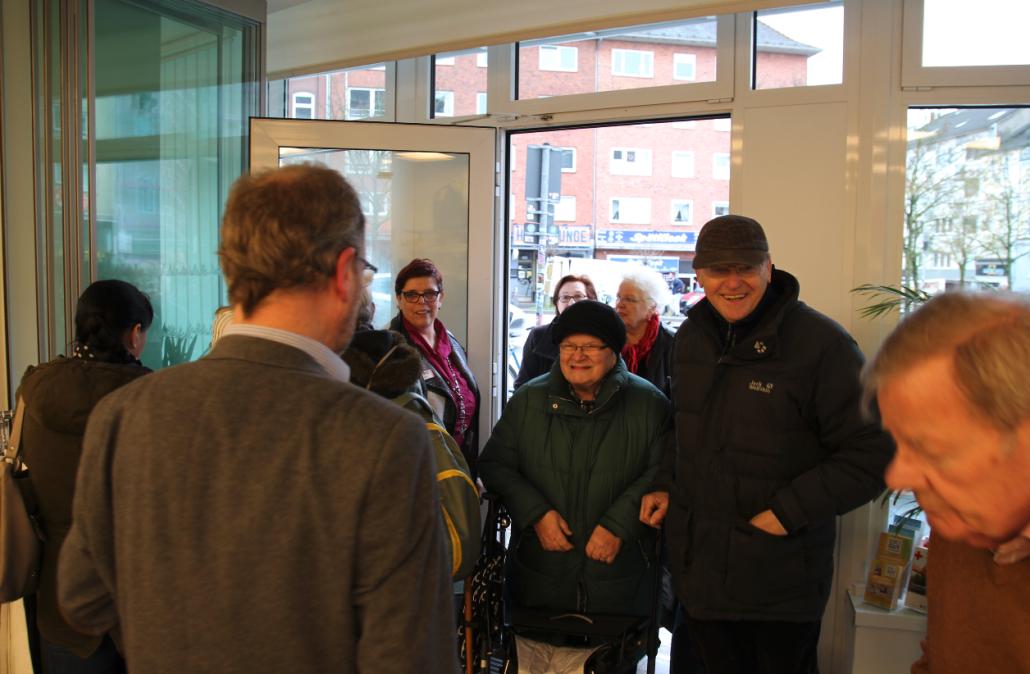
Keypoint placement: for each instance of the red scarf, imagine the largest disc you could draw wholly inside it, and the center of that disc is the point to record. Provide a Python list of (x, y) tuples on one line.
[(636, 354)]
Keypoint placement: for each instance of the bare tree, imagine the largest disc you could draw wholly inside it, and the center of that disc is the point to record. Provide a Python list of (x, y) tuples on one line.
[(927, 187), (1007, 235)]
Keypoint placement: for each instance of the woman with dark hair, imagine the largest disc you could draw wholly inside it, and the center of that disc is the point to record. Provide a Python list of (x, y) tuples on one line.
[(540, 351), (111, 322), (447, 380)]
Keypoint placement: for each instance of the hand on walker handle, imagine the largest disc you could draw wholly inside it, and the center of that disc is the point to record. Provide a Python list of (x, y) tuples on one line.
[(603, 545), (653, 508)]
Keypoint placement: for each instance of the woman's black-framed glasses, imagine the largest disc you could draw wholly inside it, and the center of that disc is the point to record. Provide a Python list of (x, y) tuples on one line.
[(414, 297)]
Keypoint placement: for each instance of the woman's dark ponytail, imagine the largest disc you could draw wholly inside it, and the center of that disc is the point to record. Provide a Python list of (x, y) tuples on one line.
[(105, 312)]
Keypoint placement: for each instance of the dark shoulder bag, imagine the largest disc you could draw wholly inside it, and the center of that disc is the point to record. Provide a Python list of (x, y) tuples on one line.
[(20, 534)]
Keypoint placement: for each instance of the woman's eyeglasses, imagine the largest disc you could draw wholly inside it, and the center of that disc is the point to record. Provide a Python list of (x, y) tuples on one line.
[(427, 296), (566, 299)]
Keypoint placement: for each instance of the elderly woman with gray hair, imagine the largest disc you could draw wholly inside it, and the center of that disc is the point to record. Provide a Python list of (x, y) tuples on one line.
[(642, 296)]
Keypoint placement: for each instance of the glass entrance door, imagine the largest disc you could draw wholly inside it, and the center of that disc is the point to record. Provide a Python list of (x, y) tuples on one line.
[(427, 192)]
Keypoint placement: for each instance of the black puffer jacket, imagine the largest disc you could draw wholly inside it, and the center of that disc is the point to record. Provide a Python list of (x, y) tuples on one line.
[(657, 367), (438, 393), (771, 420), (538, 354), (59, 397)]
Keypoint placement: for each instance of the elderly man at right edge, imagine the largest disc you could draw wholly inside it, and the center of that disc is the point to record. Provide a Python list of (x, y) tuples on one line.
[(770, 446)]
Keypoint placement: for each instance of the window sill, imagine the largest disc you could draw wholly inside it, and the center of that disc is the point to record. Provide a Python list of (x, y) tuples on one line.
[(874, 617)]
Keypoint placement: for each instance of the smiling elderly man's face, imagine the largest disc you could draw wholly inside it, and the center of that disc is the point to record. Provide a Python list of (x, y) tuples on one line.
[(969, 476)]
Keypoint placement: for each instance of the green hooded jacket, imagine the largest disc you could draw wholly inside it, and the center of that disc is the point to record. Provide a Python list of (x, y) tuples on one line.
[(593, 467)]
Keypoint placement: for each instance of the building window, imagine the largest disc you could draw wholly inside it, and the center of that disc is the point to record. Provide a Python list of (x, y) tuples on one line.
[(682, 164), (721, 166), (720, 208), (632, 63), (631, 210), (568, 160), (557, 57), (303, 106), (682, 211), (565, 211), (363, 102), (630, 162), (443, 60), (443, 104), (481, 59), (684, 67), (948, 42), (480, 103)]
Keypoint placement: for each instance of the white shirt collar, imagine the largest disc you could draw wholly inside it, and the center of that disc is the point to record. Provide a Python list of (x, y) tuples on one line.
[(331, 362)]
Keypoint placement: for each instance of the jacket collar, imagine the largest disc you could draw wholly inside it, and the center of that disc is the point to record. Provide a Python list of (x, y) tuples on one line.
[(762, 340), (561, 400)]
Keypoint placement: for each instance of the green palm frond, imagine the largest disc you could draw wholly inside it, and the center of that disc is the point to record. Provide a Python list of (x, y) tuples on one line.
[(885, 299)]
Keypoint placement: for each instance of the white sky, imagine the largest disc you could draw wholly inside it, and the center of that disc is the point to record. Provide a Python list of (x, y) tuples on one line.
[(822, 28), (994, 34)]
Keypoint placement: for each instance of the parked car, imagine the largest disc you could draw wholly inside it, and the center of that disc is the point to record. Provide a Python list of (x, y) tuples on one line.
[(688, 300)]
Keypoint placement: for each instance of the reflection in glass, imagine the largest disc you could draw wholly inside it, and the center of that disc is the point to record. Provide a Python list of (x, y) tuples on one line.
[(415, 205), (170, 137), (799, 47)]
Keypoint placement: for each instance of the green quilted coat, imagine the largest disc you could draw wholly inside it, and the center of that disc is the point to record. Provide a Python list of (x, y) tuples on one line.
[(592, 466)]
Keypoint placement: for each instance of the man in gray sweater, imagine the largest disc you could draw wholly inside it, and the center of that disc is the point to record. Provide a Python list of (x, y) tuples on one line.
[(253, 511)]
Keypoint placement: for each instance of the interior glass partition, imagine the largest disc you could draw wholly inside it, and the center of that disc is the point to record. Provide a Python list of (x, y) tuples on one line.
[(143, 106)]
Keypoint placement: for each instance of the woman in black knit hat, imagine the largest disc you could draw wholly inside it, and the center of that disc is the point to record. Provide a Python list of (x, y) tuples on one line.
[(571, 457)]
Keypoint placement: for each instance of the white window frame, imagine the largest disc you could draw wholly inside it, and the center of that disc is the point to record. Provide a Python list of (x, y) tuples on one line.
[(556, 63), (639, 210), (443, 60), (717, 171), (481, 102), (482, 59), (620, 162), (374, 93), (680, 59), (914, 74), (448, 103), (296, 104), (572, 151), (565, 207), (619, 57), (689, 203), (683, 164)]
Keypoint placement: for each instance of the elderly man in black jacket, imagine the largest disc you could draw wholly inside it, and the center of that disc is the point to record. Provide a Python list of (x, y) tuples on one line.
[(770, 446)]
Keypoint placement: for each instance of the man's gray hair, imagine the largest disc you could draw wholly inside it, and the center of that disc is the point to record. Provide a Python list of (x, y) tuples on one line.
[(284, 228), (988, 335), (653, 285)]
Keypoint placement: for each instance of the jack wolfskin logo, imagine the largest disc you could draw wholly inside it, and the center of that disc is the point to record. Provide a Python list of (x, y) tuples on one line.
[(766, 387), (760, 346)]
